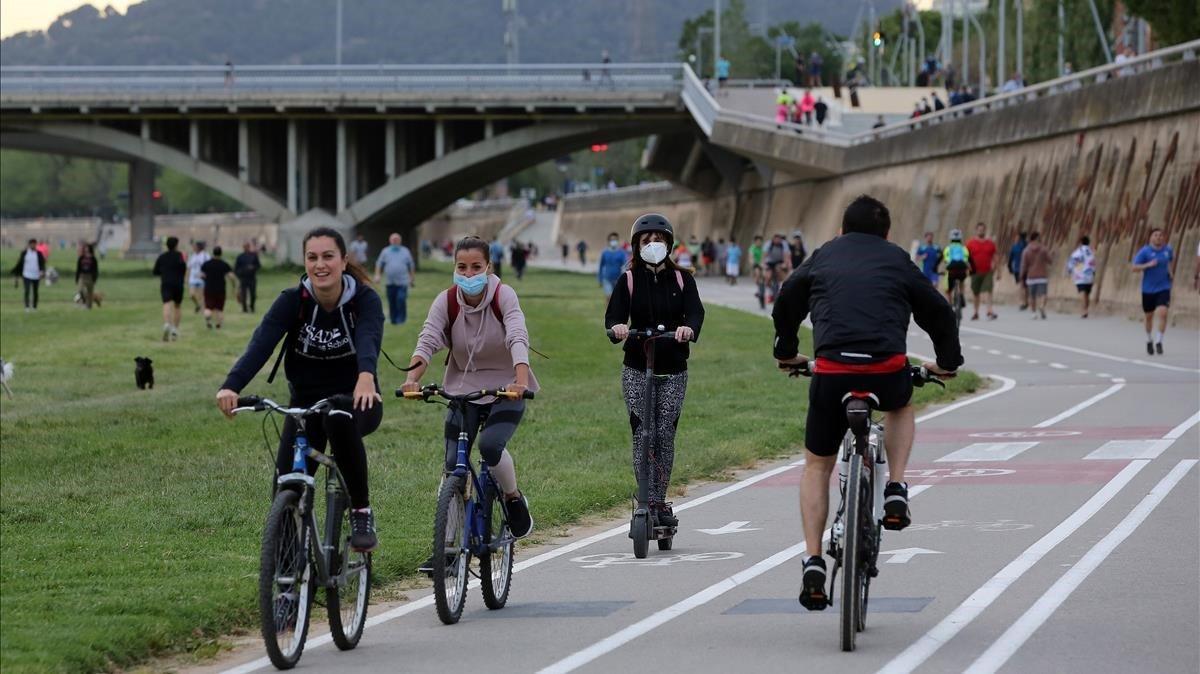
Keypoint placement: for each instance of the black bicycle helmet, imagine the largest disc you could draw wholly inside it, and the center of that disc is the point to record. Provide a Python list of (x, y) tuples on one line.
[(653, 222)]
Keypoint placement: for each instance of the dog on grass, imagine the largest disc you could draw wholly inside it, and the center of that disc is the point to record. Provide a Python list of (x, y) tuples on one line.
[(6, 373), (143, 372)]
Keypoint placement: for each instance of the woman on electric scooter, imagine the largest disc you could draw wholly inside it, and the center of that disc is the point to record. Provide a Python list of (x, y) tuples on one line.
[(655, 291), (480, 321)]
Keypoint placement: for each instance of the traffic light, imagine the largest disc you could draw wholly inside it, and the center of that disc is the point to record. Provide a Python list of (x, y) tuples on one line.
[(877, 39), (156, 195), (600, 147)]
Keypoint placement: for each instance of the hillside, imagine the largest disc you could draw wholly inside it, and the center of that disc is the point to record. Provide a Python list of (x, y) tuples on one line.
[(186, 32)]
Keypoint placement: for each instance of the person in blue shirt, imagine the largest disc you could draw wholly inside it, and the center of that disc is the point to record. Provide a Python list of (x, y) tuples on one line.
[(930, 257), (496, 253), (1154, 261), (396, 263), (1014, 266), (733, 263), (612, 264), (723, 66)]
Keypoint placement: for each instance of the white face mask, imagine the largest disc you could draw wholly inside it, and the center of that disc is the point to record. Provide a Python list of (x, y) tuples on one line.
[(654, 252)]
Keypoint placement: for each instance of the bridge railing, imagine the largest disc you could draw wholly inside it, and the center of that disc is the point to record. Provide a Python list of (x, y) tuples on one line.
[(698, 101), (239, 81)]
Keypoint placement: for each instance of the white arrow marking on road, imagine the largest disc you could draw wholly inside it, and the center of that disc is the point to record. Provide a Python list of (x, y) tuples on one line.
[(731, 528), (905, 555)]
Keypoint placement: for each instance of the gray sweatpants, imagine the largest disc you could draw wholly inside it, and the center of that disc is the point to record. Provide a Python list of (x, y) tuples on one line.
[(669, 392)]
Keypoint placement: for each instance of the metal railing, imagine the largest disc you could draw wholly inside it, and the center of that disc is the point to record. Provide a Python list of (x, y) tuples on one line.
[(116, 81)]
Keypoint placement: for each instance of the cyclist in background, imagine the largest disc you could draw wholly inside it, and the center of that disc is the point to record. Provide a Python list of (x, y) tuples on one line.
[(655, 291), (332, 327), (861, 292), (479, 320), (756, 262), (958, 262)]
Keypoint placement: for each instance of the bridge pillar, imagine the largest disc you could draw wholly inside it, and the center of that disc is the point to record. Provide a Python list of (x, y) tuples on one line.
[(243, 148), (141, 211), (439, 139), (292, 177), (389, 150), (194, 139), (340, 178)]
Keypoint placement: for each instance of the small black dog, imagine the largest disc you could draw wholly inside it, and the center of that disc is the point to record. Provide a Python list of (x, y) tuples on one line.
[(143, 372)]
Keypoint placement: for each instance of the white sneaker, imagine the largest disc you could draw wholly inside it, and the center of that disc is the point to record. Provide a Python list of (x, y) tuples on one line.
[(166, 331)]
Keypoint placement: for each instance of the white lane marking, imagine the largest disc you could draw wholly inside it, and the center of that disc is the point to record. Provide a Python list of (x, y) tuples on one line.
[(995, 352), (1104, 375), (645, 625), (1016, 356), (976, 347), (1032, 361), (987, 451), (1129, 449), (1083, 405), (906, 555), (1081, 371), (1074, 349), (1015, 636), (1059, 366), (731, 528), (1182, 428), (405, 609), (922, 649)]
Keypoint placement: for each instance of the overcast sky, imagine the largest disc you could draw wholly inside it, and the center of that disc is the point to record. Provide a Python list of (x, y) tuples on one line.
[(19, 15)]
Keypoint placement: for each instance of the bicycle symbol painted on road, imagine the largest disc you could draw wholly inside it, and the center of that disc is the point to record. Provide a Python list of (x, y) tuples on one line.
[(958, 472), (997, 525), (606, 559)]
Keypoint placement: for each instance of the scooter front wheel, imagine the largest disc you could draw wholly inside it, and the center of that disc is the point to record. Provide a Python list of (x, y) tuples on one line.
[(639, 531)]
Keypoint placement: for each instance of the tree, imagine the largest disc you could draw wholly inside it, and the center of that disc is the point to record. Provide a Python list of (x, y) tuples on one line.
[(1173, 21), (750, 55)]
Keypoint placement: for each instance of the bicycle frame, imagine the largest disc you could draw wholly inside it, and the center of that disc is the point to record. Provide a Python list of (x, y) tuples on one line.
[(477, 490)]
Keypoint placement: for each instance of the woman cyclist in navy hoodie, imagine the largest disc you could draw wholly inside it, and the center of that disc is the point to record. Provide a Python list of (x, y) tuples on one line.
[(332, 324)]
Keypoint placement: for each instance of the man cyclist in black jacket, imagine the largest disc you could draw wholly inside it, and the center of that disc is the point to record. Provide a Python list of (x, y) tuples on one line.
[(861, 292)]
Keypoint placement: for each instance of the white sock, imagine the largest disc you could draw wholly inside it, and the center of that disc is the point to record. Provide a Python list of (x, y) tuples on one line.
[(505, 473), (1158, 336), (1149, 336)]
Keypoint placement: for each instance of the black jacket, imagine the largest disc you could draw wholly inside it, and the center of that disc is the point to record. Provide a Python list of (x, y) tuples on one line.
[(657, 300), (87, 266), (325, 351), (861, 291), (19, 268), (246, 265)]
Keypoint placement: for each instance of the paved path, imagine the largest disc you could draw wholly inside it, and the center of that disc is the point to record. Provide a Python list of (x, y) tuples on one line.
[(1055, 531)]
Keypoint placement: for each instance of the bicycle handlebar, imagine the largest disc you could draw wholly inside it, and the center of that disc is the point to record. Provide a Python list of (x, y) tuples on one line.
[(644, 333), (253, 403), (920, 374), (432, 390)]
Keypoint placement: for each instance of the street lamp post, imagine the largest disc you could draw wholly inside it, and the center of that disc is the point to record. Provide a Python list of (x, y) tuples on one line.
[(716, 34)]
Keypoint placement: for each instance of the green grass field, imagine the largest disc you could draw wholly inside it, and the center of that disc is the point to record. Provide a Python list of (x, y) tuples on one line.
[(130, 519)]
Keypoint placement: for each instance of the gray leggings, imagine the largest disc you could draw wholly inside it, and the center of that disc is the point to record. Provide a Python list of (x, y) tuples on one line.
[(499, 420), (670, 390)]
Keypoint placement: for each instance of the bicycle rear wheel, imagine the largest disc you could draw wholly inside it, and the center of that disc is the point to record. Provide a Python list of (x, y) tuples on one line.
[(347, 600), (851, 568), (450, 557), (496, 567), (284, 582)]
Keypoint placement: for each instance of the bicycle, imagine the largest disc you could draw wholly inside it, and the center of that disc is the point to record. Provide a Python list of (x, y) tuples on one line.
[(470, 520), (958, 299), (643, 522), (854, 536), (299, 555)]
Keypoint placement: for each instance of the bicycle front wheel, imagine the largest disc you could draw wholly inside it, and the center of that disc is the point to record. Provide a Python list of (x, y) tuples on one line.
[(451, 559), (284, 582), (350, 571), (496, 565), (851, 552)]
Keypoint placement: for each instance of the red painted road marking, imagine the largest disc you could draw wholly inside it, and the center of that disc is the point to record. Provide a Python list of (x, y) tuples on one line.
[(1043, 434), (982, 473)]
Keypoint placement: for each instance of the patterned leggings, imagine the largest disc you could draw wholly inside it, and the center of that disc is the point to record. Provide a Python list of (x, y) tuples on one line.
[(670, 390)]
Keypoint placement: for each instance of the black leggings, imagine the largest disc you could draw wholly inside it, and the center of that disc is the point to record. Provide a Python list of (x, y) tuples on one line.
[(346, 437), (499, 420), (31, 286), (248, 292)]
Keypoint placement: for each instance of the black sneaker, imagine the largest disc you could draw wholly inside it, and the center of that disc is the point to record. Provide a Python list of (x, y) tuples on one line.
[(666, 516), (362, 531), (895, 506), (1158, 347), (520, 523), (1150, 348), (812, 593)]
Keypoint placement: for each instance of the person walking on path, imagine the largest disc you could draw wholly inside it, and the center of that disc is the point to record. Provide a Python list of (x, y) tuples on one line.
[(807, 105), (733, 262), (582, 248), (214, 272), (821, 108), (87, 270), (723, 66), (517, 255), (1154, 261), (1081, 267), (653, 292), (396, 263), (612, 264), (496, 256), (31, 267), (983, 252), (171, 268), (1035, 273), (195, 280), (358, 251), (930, 257), (783, 106), (566, 253), (1014, 267), (246, 268), (480, 321)]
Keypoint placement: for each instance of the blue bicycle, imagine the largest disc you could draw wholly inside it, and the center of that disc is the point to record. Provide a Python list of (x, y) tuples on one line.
[(471, 519)]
